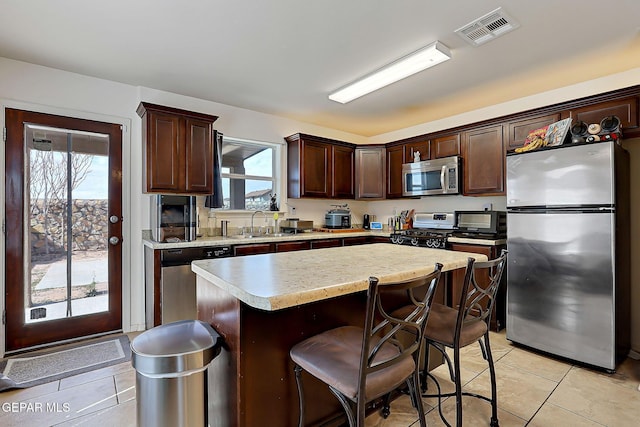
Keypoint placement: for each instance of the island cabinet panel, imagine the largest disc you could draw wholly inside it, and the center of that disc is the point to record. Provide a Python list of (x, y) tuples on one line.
[(370, 172), (422, 147), (483, 161), (626, 109), (178, 150), (252, 382), (395, 158), (320, 168), (498, 318), (519, 129), (446, 146)]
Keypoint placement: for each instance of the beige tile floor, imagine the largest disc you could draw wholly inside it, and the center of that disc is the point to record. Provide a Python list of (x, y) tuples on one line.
[(533, 390)]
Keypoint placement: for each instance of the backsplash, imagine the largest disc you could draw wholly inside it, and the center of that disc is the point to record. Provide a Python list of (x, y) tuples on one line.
[(315, 209)]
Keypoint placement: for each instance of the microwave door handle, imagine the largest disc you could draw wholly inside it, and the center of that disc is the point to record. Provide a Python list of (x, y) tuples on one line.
[(443, 178)]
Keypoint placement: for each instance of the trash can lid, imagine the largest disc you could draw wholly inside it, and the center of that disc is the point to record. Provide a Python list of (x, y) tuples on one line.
[(175, 347)]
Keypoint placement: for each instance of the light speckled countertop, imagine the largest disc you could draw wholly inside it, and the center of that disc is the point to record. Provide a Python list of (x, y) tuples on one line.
[(235, 240), (287, 279)]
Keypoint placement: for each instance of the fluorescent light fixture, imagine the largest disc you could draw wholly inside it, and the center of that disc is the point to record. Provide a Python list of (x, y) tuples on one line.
[(413, 63)]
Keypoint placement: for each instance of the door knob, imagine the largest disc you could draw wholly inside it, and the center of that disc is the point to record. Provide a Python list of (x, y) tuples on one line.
[(113, 240), (113, 219)]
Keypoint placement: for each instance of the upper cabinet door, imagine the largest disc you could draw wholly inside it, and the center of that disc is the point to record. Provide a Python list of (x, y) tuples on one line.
[(320, 167), (164, 150), (395, 158), (519, 129), (446, 146), (370, 172), (199, 156), (411, 148), (483, 161), (343, 180), (316, 169), (626, 109), (178, 150)]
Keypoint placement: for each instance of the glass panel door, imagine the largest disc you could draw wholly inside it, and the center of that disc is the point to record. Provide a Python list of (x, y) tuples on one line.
[(63, 213), (67, 181)]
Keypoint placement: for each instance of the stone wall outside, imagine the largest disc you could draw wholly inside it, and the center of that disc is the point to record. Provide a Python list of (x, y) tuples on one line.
[(90, 227)]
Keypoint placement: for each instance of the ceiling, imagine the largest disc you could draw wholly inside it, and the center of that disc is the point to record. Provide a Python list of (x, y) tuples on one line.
[(284, 57)]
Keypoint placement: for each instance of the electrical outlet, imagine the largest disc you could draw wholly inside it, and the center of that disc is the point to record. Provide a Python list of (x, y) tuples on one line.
[(292, 210)]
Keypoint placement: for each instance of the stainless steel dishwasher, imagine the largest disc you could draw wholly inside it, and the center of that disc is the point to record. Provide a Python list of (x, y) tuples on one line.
[(177, 291)]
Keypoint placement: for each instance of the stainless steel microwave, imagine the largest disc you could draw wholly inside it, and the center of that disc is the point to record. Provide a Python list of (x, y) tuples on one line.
[(431, 177)]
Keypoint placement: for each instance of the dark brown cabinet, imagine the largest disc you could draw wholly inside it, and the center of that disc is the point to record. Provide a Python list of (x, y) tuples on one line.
[(326, 243), (370, 172), (320, 168), (483, 161), (422, 147), (446, 146), (352, 241), (498, 318), (253, 249), (395, 158), (293, 246), (343, 175), (626, 109), (519, 129), (178, 150)]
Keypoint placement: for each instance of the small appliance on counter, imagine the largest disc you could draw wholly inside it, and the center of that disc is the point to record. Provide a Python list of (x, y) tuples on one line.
[(173, 218), (367, 220), (340, 217), (487, 224), (295, 225), (430, 229)]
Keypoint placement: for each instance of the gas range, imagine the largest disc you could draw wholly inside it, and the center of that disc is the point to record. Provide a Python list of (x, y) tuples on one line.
[(430, 238), (430, 229)]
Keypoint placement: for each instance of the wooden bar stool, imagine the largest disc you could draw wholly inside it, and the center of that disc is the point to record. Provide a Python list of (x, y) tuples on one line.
[(360, 364), (466, 324)]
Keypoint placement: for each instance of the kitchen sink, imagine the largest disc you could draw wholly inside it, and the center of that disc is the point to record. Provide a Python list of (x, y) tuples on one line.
[(257, 236)]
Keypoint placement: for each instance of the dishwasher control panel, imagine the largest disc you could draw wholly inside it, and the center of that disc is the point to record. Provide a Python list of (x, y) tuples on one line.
[(181, 256)]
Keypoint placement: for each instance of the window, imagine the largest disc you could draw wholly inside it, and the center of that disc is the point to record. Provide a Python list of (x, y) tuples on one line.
[(249, 174)]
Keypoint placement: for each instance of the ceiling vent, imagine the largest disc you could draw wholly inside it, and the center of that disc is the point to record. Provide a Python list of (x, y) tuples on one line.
[(487, 28)]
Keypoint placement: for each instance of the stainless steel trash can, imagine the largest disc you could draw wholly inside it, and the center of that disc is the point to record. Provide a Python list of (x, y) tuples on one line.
[(171, 379)]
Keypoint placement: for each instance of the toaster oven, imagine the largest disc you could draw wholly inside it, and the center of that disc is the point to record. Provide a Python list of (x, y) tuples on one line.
[(481, 223)]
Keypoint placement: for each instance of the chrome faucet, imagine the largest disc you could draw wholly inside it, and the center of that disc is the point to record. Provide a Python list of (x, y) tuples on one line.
[(253, 216)]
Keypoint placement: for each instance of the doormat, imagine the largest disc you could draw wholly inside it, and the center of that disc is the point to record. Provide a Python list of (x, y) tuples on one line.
[(29, 369)]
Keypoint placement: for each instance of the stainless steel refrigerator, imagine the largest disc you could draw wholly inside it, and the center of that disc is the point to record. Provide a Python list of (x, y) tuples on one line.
[(568, 274)]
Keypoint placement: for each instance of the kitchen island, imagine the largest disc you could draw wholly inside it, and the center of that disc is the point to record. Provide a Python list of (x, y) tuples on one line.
[(264, 304)]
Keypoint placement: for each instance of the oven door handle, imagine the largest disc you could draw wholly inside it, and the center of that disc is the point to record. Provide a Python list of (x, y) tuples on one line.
[(443, 178)]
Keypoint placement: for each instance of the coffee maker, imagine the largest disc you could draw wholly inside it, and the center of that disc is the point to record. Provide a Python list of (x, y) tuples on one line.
[(366, 221), (173, 218)]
